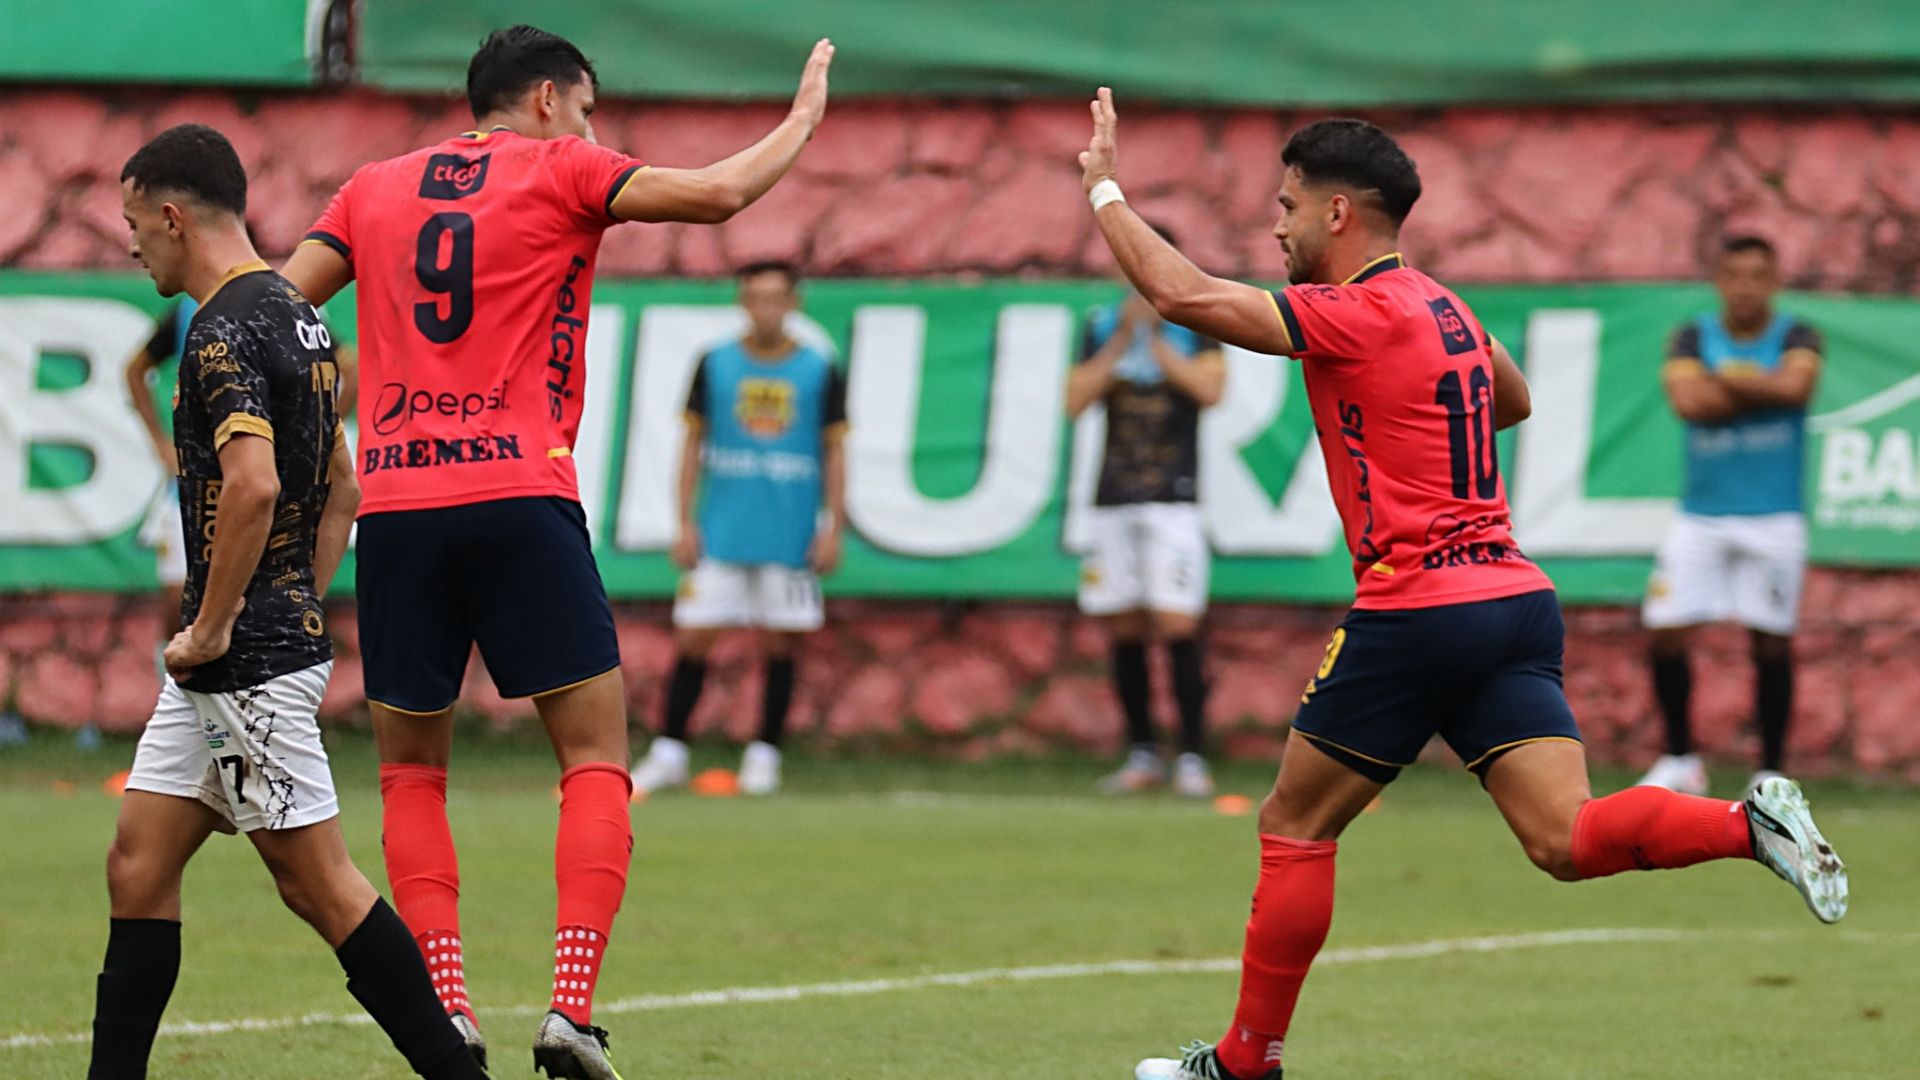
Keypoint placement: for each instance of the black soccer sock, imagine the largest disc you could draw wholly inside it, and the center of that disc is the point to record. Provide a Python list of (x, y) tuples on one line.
[(387, 975), (136, 979), (1130, 681), (1190, 693), (776, 700), (683, 693), (1673, 686), (1773, 707)]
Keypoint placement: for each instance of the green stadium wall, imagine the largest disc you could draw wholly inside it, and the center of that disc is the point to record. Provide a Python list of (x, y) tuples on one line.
[(913, 188)]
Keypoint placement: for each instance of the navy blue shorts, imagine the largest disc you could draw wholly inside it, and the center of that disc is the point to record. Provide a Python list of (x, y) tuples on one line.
[(1484, 676), (515, 576)]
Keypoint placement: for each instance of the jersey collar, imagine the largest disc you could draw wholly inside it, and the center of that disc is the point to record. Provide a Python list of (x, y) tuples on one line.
[(482, 136), (251, 267), (1390, 261)]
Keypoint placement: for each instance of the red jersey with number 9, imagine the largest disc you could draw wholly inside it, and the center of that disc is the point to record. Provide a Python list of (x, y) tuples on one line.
[(1400, 377), (475, 267)]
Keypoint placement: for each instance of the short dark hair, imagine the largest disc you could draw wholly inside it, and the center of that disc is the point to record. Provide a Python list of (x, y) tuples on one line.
[(192, 159), (770, 266), (1734, 245), (512, 60), (1355, 153)]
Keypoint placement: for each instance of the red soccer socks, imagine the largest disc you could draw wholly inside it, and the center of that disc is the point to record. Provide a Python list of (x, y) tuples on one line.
[(1292, 908), (424, 873), (590, 871), (1651, 828)]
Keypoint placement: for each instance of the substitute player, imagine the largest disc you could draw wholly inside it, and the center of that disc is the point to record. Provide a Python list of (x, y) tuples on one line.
[(1453, 630), (475, 261), (267, 497), (1741, 379), (1146, 575), (147, 379), (766, 420)]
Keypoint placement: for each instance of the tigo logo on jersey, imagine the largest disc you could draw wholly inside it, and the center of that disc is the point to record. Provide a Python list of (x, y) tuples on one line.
[(1453, 328), (450, 176), (764, 407)]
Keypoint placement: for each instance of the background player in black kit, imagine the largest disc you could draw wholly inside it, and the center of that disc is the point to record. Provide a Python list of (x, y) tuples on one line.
[(267, 498)]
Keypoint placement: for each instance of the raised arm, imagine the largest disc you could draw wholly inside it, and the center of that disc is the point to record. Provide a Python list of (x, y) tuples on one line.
[(719, 191), (1512, 402), (1181, 292), (1201, 377), (1092, 377)]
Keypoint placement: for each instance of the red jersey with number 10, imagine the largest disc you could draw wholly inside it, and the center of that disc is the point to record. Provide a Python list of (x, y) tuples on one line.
[(1400, 377), (475, 267)]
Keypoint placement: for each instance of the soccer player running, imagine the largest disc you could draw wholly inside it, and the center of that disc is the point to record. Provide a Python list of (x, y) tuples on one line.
[(1453, 631), (267, 496), (766, 419), (1146, 574), (1741, 379), (475, 260)]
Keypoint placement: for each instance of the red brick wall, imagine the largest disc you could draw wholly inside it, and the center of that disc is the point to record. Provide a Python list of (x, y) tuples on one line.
[(982, 680), (927, 188)]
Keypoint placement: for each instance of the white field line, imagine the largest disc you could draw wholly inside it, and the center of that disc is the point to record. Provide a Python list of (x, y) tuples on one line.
[(745, 995)]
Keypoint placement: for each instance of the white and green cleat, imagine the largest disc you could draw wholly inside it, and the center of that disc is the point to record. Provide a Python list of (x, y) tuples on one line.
[(1197, 1061), (1786, 841), (566, 1051)]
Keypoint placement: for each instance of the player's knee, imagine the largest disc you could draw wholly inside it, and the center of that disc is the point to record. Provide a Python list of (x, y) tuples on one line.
[(780, 644), (694, 644), (1554, 855), (1280, 816), (1173, 626)]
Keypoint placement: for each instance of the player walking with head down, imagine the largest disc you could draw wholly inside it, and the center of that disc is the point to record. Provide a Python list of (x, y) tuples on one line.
[(234, 742), (475, 261), (1453, 631)]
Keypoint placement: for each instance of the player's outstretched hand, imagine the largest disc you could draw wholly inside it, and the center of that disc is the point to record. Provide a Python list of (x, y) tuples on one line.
[(810, 103), (1098, 160)]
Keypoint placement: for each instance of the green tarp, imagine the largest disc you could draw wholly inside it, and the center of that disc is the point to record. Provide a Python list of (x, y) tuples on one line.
[(961, 463), (1383, 52), (209, 42)]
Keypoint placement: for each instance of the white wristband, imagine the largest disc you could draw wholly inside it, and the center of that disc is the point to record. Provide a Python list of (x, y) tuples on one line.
[(1104, 192)]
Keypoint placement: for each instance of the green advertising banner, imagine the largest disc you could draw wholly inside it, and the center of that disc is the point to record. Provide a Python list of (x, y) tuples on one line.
[(965, 480), (1387, 52), (206, 42)]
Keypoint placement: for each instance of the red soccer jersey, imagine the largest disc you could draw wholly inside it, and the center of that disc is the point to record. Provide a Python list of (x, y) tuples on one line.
[(1400, 377), (475, 264)]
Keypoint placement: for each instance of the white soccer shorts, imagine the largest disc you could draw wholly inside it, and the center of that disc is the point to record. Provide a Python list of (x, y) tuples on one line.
[(1147, 556), (1747, 568), (719, 594), (254, 756)]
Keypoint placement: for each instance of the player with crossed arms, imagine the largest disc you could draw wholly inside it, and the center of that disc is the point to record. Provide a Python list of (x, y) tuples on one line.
[(1453, 631), (475, 260)]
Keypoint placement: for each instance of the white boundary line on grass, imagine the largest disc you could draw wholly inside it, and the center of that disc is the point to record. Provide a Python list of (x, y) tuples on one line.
[(751, 995)]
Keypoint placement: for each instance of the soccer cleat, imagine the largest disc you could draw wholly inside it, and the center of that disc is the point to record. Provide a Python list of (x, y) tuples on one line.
[(1142, 771), (566, 1051), (664, 766), (1197, 1061), (1761, 777), (760, 769), (1677, 772), (1786, 840), (1191, 777), (470, 1032)]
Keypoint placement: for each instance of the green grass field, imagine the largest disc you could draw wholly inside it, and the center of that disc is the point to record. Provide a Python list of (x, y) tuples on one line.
[(887, 871)]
